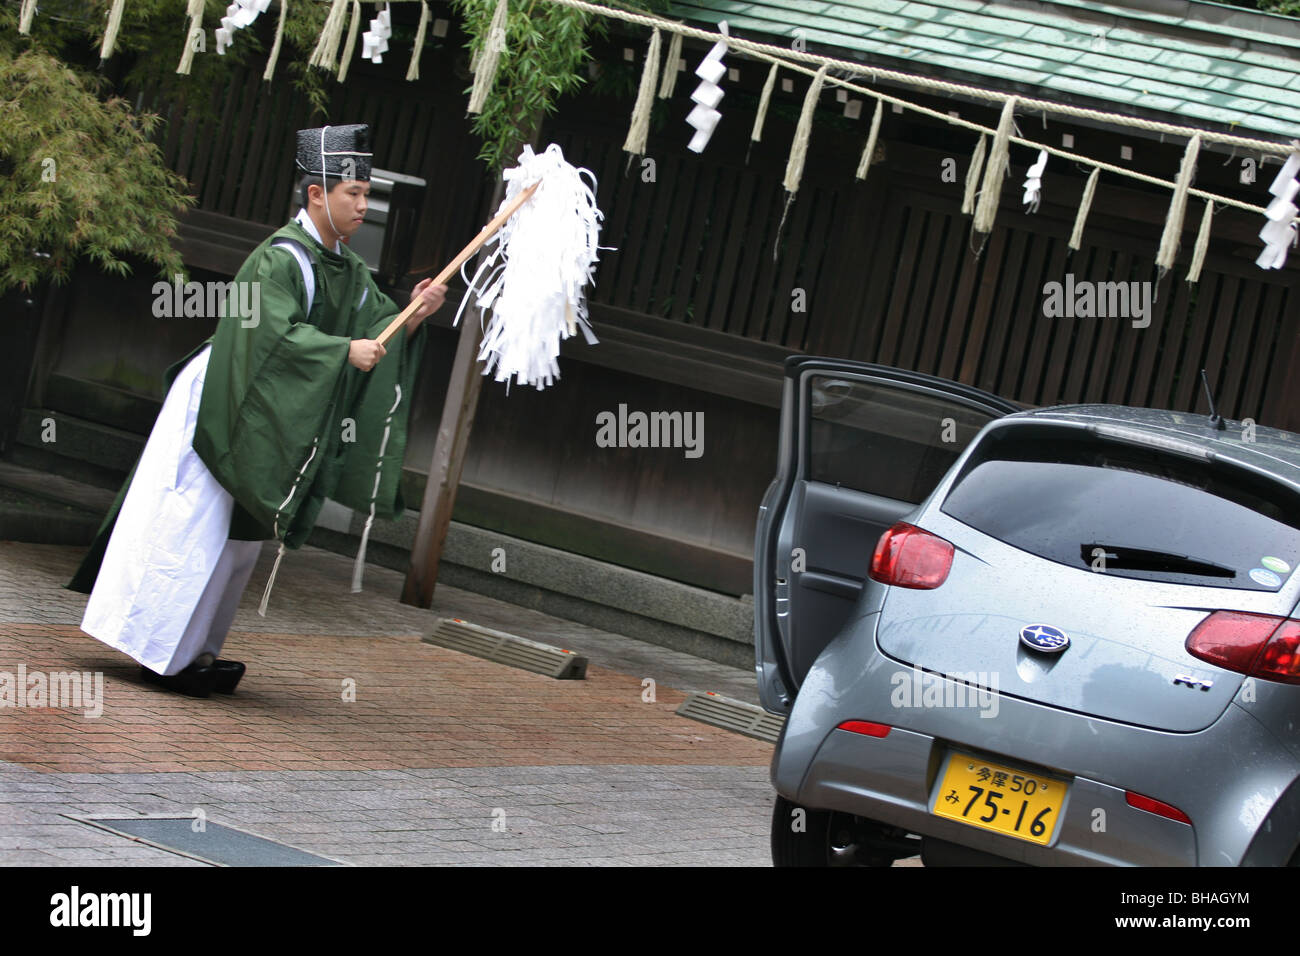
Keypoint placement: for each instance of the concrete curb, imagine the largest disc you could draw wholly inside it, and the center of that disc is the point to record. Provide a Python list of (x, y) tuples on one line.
[(688, 619)]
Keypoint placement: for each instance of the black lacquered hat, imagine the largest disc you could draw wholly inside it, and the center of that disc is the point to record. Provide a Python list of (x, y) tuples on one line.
[(335, 151)]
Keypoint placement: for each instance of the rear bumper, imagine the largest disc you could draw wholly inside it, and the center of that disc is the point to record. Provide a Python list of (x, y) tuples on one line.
[(1235, 780), (888, 780)]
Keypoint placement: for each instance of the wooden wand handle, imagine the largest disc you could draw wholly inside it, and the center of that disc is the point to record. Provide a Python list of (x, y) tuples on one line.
[(477, 243)]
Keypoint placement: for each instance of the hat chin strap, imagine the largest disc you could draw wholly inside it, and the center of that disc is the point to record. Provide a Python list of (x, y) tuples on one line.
[(324, 173)]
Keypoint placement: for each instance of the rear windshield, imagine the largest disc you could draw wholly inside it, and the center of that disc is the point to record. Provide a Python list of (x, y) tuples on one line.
[(1089, 502)]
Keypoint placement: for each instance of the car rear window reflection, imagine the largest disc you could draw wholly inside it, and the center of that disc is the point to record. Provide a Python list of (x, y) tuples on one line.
[(1129, 511)]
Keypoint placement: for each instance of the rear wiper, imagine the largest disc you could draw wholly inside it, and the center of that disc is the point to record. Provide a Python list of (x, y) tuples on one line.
[(1143, 559)]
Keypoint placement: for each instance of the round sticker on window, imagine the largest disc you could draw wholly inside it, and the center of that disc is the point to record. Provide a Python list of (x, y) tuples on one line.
[(1265, 577), (1275, 564)]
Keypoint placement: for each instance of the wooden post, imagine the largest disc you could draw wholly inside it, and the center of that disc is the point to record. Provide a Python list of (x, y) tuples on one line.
[(458, 411)]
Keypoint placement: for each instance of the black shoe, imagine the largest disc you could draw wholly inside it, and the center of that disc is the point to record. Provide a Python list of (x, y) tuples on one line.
[(192, 681), (228, 674)]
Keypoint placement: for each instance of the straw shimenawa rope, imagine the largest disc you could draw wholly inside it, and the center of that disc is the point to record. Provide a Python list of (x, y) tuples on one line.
[(671, 66), (869, 151), (1085, 203), (1177, 207), (413, 70), (110, 32), (973, 176), (639, 130), (793, 60), (351, 44), (988, 201), (1202, 244), (785, 55), (802, 132), (275, 47), (193, 36), (1065, 154), (756, 134), (760, 117), (25, 14), (327, 47), (485, 67), (798, 152), (986, 209)]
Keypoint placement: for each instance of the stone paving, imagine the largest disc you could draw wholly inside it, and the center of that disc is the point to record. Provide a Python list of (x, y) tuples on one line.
[(352, 739), (582, 815)]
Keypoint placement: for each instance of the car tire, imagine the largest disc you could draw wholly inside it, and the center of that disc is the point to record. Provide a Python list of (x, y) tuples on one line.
[(820, 838)]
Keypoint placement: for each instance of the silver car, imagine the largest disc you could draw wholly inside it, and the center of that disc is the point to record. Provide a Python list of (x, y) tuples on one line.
[(1058, 636)]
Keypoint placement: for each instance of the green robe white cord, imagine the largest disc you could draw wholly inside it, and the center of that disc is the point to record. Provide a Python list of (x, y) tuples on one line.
[(359, 567)]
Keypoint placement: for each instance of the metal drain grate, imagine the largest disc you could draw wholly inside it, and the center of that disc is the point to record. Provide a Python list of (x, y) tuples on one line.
[(216, 844), (729, 714), (505, 648)]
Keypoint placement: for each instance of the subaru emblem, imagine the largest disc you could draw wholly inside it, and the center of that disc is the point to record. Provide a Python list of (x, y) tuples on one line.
[(1044, 637)]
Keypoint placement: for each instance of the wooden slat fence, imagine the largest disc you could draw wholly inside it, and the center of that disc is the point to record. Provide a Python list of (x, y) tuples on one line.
[(886, 269)]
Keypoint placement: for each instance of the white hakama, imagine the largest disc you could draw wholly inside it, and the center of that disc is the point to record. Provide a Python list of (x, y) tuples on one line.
[(171, 581)]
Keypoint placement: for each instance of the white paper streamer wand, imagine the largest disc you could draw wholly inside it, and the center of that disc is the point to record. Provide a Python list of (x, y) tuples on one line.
[(533, 282)]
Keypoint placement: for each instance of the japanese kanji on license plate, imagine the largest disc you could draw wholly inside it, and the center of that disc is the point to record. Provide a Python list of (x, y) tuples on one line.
[(993, 797)]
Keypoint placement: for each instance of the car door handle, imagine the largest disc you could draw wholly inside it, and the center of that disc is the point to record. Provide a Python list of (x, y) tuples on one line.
[(847, 588)]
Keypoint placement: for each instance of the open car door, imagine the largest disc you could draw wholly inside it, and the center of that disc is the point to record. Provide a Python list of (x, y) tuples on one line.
[(861, 446)]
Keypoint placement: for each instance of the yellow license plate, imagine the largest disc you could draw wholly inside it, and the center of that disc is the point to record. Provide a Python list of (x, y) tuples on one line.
[(993, 797)]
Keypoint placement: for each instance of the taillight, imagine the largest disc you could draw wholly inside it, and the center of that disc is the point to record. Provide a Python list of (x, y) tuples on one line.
[(908, 557), (1260, 645)]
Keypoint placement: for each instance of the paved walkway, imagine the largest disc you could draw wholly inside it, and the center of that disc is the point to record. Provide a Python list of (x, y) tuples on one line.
[(353, 739)]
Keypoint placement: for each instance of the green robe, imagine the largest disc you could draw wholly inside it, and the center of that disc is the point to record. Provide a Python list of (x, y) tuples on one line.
[(285, 420)]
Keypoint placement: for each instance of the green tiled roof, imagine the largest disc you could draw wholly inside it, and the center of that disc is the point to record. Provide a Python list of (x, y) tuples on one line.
[(1206, 63)]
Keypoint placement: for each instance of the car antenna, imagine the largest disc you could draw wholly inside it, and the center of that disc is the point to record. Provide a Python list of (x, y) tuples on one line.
[(1216, 421)]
